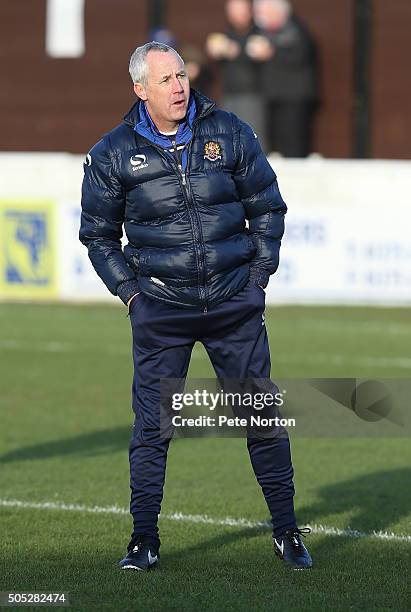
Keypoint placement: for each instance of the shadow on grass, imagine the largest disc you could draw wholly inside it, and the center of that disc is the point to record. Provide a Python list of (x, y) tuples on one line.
[(378, 500), (88, 445), (234, 564), (199, 577), (374, 501)]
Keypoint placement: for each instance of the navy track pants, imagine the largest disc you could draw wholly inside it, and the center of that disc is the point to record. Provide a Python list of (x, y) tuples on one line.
[(234, 336)]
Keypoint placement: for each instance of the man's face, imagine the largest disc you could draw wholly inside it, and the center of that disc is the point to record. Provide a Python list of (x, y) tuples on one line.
[(269, 14), (239, 13), (167, 90)]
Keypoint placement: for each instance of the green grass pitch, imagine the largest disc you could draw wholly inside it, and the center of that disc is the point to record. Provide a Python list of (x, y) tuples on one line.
[(65, 423)]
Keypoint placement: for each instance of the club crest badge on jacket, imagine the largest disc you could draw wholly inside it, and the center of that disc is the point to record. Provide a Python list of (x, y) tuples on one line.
[(212, 150)]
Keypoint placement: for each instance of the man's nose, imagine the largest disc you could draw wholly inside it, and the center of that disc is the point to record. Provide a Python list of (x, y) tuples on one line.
[(177, 85)]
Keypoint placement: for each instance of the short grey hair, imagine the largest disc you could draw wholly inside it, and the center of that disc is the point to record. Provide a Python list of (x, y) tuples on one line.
[(138, 68), (283, 5)]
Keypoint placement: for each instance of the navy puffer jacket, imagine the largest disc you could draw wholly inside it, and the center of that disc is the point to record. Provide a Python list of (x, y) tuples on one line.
[(188, 240)]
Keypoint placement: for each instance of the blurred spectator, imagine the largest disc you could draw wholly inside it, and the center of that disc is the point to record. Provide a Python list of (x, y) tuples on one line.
[(240, 51), (162, 35), (197, 68), (289, 78)]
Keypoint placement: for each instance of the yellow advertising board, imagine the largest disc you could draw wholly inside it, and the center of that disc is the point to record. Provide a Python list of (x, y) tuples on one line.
[(28, 256)]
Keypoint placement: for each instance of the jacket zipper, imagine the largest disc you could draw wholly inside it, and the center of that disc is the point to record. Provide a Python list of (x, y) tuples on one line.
[(198, 233), (195, 223), (182, 181)]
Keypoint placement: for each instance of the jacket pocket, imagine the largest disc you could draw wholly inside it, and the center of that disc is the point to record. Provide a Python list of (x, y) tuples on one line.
[(252, 248), (132, 256)]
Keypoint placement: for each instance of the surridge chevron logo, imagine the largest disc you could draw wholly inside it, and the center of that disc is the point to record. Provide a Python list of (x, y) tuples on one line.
[(138, 162)]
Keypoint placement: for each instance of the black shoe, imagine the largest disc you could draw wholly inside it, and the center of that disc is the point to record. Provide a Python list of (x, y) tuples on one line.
[(142, 555), (290, 548)]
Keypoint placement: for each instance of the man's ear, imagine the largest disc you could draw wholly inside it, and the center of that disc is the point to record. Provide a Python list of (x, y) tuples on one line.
[(140, 91)]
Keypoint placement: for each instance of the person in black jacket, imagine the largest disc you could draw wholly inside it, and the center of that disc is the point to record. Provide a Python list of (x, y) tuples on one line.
[(240, 51), (289, 78), (185, 178)]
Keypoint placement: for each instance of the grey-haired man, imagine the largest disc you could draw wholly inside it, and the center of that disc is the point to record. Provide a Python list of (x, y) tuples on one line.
[(183, 177)]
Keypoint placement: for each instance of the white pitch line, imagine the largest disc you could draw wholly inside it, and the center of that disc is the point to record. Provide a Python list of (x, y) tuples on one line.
[(338, 360), (202, 519), (353, 327), (320, 358), (15, 503), (60, 347)]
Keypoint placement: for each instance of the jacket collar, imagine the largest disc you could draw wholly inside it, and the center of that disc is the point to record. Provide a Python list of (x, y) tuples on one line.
[(203, 105), (147, 128)]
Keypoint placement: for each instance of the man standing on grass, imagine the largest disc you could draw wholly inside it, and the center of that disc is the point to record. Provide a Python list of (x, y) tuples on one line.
[(183, 177)]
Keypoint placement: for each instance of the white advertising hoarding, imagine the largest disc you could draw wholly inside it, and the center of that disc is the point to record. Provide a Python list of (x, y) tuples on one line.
[(347, 240), (348, 232)]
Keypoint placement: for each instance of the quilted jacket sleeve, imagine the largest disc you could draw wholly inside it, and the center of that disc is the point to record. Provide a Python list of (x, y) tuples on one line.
[(257, 187), (102, 217)]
